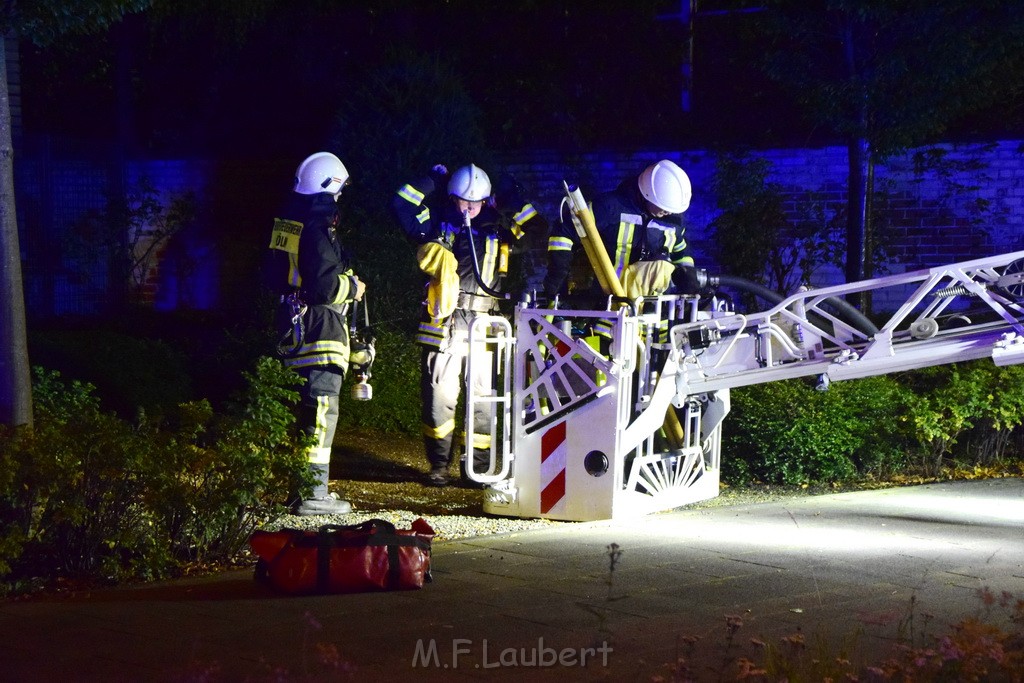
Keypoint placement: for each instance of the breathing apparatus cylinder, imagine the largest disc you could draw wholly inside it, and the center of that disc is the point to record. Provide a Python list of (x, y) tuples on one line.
[(361, 353), (362, 390)]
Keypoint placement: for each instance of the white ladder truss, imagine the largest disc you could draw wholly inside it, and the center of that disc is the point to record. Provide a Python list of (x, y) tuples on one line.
[(609, 405), (803, 335)]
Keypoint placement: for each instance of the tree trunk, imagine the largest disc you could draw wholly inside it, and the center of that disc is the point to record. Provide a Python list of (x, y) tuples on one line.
[(15, 377), (856, 209), (869, 229), (858, 157)]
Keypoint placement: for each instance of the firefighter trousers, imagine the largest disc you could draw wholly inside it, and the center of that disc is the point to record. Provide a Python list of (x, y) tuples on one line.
[(441, 383), (318, 416)]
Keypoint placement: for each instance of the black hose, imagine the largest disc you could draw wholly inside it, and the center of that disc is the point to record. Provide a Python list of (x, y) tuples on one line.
[(853, 316), (752, 287), (476, 263), (846, 312)]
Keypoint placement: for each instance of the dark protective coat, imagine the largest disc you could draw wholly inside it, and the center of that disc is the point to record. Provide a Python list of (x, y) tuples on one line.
[(628, 231), (321, 273), (426, 213)]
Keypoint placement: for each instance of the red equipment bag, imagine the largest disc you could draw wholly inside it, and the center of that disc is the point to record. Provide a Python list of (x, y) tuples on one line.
[(372, 556)]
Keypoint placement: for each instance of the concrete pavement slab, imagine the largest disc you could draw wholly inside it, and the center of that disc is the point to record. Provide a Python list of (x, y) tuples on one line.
[(865, 567)]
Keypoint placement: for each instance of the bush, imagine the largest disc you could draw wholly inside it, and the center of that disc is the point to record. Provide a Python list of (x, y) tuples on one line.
[(952, 401), (126, 371), (92, 494), (788, 433), (926, 420), (395, 406), (219, 477), (78, 482)]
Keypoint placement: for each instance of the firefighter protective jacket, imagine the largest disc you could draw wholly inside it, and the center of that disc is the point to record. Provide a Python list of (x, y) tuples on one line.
[(426, 214), (628, 231), (320, 272)]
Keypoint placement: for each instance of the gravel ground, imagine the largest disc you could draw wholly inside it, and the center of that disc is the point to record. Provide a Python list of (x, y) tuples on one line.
[(452, 527), (384, 478), (447, 527)]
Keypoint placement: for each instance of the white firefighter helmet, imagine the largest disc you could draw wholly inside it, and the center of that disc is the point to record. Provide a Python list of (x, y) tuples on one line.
[(470, 183), (666, 186), (321, 172)]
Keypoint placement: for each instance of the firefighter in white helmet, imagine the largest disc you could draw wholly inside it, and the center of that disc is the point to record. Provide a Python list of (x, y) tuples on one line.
[(640, 223), (317, 284), (440, 214)]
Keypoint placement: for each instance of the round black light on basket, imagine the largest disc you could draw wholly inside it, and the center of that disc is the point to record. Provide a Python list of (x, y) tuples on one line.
[(595, 463)]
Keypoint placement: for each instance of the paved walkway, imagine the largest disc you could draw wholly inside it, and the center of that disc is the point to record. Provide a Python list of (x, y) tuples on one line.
[(546, 605)]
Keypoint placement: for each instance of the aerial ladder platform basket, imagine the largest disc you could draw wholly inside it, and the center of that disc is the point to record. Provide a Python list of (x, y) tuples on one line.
[(581, 434)]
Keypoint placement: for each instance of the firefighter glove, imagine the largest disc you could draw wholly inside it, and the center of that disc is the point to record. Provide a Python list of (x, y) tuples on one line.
[(443, 288), (647, 278)]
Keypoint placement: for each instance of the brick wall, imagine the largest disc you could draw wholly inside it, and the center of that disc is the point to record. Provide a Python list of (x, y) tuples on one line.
[(968, 207), (61, 187)]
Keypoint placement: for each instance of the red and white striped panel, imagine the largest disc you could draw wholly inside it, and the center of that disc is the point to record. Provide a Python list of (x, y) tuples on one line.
[(553, 450)]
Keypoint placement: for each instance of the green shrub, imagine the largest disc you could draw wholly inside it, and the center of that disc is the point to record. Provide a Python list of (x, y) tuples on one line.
[(93, 494), (76, 493), (879, 420), (953, 400), (395, 406), (788, 433), (219, 477), (990, 441), (924, 420), (13, 491), (126, 371)]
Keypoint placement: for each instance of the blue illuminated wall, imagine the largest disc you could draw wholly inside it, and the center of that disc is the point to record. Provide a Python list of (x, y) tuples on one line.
[(62, 186), (973, 208), (186, 274)]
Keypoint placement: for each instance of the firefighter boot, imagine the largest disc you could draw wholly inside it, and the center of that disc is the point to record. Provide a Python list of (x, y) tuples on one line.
[(322, 502), (438, 476)]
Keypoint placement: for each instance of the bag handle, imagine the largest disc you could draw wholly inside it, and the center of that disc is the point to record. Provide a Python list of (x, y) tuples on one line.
[(368, 525), (379, 532)]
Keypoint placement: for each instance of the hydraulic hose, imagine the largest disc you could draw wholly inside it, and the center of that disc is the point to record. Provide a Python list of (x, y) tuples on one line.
[(476, 263), (751, 287), (844, 310), (853, 316)]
